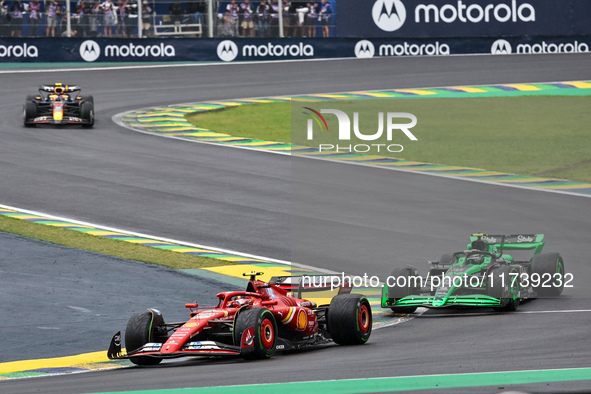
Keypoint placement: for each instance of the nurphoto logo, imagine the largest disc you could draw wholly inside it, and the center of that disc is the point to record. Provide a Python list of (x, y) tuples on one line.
[(390, 124)]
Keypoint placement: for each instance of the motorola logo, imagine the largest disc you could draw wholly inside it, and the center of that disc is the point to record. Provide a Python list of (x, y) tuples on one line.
[(364, 49), (389, 15), (227, 50), (501, 47), (90, 50)]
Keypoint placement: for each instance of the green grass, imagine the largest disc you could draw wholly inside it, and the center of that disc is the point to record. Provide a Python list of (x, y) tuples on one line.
[(108, 246), (269, 122), (519, 135)]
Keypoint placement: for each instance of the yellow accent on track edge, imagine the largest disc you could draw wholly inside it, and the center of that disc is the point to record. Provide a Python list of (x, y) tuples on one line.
[(58, 362)]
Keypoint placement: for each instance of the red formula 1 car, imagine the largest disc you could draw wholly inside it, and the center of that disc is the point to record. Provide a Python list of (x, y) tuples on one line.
[(59, 104), (253, 324)]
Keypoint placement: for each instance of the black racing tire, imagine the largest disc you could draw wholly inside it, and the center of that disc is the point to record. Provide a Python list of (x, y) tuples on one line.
[(88, 99), (87, 112), (396, 292), (29, 112), (144, 328), (349, 319), (548, 264), (255, 331), (503, 283)]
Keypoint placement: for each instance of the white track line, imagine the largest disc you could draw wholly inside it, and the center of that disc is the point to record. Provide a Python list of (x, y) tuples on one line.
[(173, 65), (404, 319), (256, 62), (508, 313), (558, 311), (252, 62), (193, 245)]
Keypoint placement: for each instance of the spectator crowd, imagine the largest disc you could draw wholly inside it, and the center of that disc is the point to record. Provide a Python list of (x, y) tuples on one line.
[(300, 19), (48, 18), (119, 18)]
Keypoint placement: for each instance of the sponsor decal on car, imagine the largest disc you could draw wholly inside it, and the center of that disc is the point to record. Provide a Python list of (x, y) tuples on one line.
[(525, 238), (248, 337), (302, 321)]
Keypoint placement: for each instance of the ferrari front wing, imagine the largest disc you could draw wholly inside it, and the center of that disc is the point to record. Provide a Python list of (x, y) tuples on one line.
[(190, 349)]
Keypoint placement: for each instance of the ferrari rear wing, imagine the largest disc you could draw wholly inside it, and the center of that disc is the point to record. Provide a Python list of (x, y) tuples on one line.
[(311, 283), (511, 242)]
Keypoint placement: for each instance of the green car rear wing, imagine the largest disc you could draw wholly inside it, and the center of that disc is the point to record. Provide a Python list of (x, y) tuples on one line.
[(511, 242)]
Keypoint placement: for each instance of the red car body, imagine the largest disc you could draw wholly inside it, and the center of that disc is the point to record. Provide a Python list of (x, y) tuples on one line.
[(253, 323)]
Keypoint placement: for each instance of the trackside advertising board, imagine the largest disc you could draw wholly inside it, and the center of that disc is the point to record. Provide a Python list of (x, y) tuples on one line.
[(462, 18), (215, 50)]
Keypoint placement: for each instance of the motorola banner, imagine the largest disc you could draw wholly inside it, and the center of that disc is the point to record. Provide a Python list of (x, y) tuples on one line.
[(387, 47), (47, 49), (92, 51), (462, 18)]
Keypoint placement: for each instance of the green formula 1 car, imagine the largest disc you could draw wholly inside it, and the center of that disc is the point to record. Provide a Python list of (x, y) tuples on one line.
[(484, 275)]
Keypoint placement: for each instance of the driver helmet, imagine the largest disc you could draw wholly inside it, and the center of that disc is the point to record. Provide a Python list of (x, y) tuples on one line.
[(475, 259), (240, 302)]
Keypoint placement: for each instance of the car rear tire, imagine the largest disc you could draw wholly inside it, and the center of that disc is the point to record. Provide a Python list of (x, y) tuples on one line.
[(142, 328), (29, 112), (349, 319), (504, 285), (547, 265), (88, 99), (397, 292), (255, 331), (87, 112)]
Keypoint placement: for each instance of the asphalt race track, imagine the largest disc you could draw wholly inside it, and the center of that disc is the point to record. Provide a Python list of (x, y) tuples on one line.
[(242, 200), (54, 296)]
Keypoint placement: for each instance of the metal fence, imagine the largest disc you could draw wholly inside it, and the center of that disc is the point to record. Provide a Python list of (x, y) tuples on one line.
[(170, 18)]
